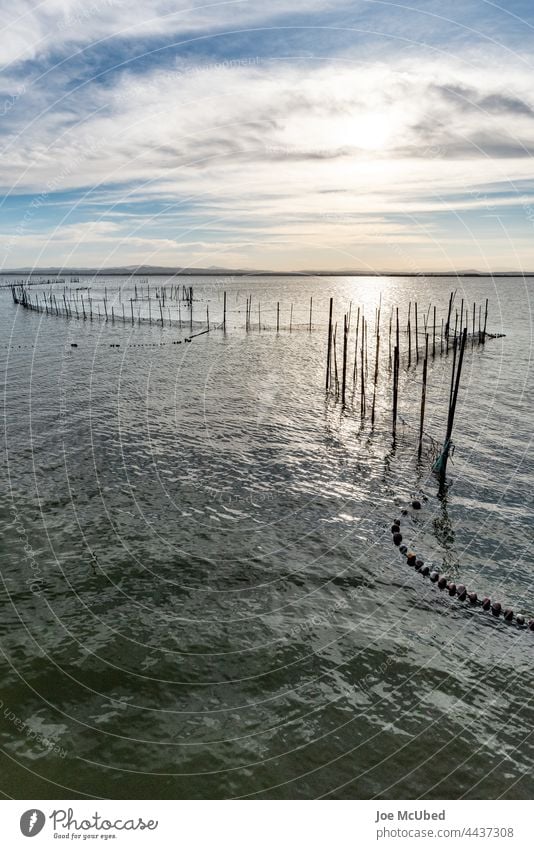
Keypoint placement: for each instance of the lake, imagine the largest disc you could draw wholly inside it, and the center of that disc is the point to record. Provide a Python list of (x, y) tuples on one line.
[(200, 597)]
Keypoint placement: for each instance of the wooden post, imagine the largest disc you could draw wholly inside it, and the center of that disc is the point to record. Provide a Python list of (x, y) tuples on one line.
[(131, 307), (355, 369), (423, 401), (434, 335), (376, 368), (416, 335), (311, 306), (160, 311), (112, 315), (208, 316), (389, 344), (329, 348), (336, 381), (448, 322), (362, 370), (366, 351), (344, 372), (452, 410), (454, 351), (106, 308), (278, 317), (409, 336), (485, 323), (83, 308), (395, 389), (224, 310)]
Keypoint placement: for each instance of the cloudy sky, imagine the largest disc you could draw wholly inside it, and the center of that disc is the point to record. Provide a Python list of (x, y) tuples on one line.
[(281, 134)]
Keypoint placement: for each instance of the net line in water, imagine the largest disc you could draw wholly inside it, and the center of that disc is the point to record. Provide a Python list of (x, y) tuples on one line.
[(459, 591)]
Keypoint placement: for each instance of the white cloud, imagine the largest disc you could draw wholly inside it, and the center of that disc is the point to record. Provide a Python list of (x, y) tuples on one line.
[(32, 29), (316, 149)]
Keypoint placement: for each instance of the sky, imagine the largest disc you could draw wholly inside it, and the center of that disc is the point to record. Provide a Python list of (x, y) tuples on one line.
[(279, 135)]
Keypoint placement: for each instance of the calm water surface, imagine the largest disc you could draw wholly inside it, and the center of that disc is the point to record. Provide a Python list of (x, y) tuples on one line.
[(244, 628)]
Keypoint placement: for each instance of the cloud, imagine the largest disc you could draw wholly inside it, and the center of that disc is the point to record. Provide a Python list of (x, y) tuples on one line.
[(213, 155), (32, 30)]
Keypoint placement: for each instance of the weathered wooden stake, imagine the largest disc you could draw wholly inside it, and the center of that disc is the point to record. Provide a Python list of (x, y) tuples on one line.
[(355, 369), (409, 336), (362, 370), (416, 336), (329, 348), (336, 381), (395, 389), (344, 371), (452, 410), (423, 401)]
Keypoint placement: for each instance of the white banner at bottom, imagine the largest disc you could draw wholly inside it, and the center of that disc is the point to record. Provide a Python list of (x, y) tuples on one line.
[(267, 824)]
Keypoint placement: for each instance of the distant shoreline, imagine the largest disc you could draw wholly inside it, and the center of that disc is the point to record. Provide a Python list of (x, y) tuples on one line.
[(230, 273)]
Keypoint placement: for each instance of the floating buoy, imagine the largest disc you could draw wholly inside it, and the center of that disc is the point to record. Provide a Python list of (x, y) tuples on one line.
[(73, 344), (454, 590), (462, 592)]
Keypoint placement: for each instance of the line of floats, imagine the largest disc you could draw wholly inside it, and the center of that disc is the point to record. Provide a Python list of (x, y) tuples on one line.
[(458, 590)]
